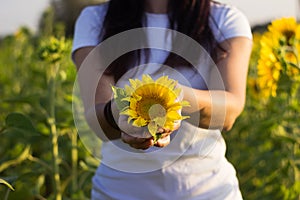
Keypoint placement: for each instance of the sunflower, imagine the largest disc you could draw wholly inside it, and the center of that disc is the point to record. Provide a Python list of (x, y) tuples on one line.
[(151, 103), (269, 67), (268, 76), (285, 29), (279, 54)]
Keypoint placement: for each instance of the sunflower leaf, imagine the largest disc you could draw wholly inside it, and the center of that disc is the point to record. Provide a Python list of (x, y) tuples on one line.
[(2, 181), (152, 127), (160, 121), (119, 95)]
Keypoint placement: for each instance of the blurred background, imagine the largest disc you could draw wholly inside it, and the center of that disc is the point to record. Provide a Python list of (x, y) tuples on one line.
[(41, 155), (16, 13)]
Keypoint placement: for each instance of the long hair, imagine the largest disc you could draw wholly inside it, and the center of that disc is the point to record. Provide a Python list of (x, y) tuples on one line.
[(190, 17)]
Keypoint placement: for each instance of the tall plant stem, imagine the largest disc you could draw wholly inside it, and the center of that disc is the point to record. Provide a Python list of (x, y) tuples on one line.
[(53, 131), (7, 194), (74, 154)]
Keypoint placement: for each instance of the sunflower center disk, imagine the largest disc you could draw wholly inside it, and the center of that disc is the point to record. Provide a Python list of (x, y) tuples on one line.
[(150, 108)]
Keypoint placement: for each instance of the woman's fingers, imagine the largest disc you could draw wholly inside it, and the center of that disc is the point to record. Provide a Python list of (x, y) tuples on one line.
[(145, 145), (177, 125), (138, 143), (162, 142), (131, 139), (142, 139)]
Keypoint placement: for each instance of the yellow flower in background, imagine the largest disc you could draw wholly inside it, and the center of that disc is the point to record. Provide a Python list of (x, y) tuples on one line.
[(151, 103), (268, 76), (283, 25), (268, 68), (279, 54), (256, 42), (269, 40), (285, 29), (298, 33)]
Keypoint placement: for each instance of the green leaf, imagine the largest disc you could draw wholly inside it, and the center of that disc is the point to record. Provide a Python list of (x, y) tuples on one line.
[(160, 121), (152, 127), (30, 99), (18, 120), (120, 94), (19, 125), (6, 183)]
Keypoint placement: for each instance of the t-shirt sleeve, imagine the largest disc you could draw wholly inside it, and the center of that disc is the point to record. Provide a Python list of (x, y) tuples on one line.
[(228, 22), (88, 27)]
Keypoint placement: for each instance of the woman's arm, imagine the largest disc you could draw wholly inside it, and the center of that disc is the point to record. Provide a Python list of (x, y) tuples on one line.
[(219, 109), (102, 96)]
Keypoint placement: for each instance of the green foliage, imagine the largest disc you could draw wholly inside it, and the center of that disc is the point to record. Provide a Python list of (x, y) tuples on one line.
[(36, 88), (264, 144), (52, 49)]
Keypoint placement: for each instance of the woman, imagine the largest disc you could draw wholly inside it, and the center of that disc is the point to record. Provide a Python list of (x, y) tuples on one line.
[(189, 165)]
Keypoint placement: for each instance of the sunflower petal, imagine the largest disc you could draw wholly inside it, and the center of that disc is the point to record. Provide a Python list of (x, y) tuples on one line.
[(185, 103), (147, 79), (139, 122), (129, 90), (185, 117), (173, 115), (132, 83)]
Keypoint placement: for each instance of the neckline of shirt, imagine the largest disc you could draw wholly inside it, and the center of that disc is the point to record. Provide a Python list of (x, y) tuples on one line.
[(158, 15)]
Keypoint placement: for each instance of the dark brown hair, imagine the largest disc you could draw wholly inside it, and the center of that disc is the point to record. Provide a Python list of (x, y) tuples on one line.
[(190, 17)]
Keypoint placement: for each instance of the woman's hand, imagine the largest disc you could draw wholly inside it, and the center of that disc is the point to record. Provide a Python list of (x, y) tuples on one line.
[(140, 138)]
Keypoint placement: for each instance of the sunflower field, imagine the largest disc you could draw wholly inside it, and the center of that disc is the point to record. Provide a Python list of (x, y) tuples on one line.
[(264, 143), (42, 156)]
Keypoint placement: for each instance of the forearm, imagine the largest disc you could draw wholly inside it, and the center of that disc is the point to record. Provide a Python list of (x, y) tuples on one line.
[(213, 109), (222, 104), (99, 124)]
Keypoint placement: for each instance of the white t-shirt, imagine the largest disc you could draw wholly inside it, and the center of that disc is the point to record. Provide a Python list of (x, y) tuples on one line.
[(225, 21), (193, 165)]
